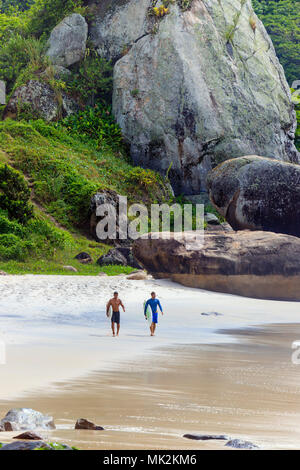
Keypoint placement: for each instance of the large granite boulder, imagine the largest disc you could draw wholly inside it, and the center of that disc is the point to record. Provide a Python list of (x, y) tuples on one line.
[(196, 86), (67, 42), (117, 25), (41, 100), (257, 193), (253, 264), (26, 419)]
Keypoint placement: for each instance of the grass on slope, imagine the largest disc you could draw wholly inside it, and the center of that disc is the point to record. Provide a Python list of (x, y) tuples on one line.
[(63, 173)]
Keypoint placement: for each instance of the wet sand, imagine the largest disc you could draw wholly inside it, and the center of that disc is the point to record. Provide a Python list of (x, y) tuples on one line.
[(248, 388)]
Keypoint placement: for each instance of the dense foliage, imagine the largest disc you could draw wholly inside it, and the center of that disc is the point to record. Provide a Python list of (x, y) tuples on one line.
[(282, 21)]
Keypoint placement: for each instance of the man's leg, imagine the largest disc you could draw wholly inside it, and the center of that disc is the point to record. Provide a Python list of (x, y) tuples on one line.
[(154, 328), (113, 328), (118, 328)]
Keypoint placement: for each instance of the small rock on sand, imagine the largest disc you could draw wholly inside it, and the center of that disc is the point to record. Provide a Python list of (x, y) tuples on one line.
[(137, 276), (103, 274), (206, 437), (240, 444), (29, 436), (85, 424), (3, 273), (210, 314)]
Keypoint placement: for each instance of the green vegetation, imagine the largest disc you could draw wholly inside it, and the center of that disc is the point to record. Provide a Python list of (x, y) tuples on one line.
[(50, 171), (282, 21), (64, 171)]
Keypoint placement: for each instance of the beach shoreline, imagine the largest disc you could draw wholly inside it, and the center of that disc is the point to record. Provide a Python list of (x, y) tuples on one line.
[(59, 347)]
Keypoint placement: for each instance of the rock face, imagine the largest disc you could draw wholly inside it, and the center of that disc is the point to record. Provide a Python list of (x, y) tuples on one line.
[(41, 99), (253, 264), (195, 87), (67, 42), (117, 25), (27, 419), (258, 194)]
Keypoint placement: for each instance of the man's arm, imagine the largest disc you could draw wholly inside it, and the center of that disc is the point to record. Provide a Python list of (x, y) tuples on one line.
[(121, 303), (107, 306), (160, 307)]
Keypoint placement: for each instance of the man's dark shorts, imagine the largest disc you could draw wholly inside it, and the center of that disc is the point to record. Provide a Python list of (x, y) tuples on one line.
[(115, 317)]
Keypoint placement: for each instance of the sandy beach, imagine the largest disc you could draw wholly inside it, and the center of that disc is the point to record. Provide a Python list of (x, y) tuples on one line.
[(228, 373)]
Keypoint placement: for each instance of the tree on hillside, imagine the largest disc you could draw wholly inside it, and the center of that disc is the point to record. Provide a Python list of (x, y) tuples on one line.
[(282, 21)]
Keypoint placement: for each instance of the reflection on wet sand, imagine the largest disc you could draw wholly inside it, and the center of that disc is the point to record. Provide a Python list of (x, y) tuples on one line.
[(249, 389)]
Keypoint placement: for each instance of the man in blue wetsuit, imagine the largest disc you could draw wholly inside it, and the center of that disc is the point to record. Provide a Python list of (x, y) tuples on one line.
[(154, 303)]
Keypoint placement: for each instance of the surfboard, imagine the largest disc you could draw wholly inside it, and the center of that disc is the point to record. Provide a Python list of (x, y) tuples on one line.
[(109, 312), (148, 314)]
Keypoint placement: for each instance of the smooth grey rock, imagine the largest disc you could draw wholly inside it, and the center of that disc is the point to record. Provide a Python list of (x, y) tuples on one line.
[(27, 419), (26, 445), (206, 437), (67, 42), (139, 276), (256, 264), (240, 444), (211, 219), (41, 99), (181, 98), (257, 193), (70, 268)]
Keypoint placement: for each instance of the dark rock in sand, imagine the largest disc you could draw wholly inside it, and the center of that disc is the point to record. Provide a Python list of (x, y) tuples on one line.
[(240, 444), (18, 419), (211, 314), (26, 445), (206, 437), (253, 264), (83, 258), (30, 436), (257, 193), (85, 424)]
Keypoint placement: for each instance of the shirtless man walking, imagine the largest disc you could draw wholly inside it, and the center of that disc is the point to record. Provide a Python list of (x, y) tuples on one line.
[(115, 303)]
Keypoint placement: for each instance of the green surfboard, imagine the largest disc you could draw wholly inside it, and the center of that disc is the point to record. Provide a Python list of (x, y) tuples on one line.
[(148, 314)]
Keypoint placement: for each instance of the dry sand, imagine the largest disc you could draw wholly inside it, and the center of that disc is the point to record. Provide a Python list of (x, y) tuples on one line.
[(210, 374)]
